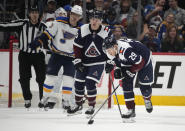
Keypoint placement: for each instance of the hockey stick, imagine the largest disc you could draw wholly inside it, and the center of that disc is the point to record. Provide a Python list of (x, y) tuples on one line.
[(91, 119), (115, 95)]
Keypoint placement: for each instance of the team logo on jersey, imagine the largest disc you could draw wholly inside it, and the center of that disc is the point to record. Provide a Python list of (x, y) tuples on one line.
[(95, 73), (92, 51), (146, 78), (68, 35)]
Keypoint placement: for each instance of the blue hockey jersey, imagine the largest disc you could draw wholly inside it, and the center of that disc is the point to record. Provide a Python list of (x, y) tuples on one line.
[(88, 45)]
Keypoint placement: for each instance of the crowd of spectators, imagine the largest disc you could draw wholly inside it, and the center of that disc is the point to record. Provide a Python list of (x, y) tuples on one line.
[(161, 22)]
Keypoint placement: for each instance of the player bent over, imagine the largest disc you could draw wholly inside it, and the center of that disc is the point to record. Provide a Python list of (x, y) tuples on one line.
[(131, 57), (89, 61), (62, 33)]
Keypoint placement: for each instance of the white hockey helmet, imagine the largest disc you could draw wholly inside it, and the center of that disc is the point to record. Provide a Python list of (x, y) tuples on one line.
[(60, 11), (77, 9)]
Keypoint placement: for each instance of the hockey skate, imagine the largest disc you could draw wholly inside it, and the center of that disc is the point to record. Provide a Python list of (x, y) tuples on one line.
[(90, 111), (27, 104), (129, 116), (65, 105), (77, 109), (148, 105), (49, 105), (41, 104)]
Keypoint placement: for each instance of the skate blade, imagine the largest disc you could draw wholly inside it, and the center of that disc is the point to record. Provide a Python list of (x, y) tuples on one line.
[(76, 113), (129, 120)]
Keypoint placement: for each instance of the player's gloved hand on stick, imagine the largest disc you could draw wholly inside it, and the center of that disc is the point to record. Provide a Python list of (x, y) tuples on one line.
[(109, 66), (127, 73), (78, 65), (118, 73), (35, 44)]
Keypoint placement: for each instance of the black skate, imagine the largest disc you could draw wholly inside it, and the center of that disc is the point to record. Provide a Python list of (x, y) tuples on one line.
[(148, 105), (89, 112), (27, 104), (49, 105), (74, 110), (129, 116), (41, 105)]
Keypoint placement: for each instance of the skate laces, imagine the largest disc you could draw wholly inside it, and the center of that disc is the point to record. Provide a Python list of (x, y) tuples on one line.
[(130, 111), (27, 101), (148, 104), (90, 108)]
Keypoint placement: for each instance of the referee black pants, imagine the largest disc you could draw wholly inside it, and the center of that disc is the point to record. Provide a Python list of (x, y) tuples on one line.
[(26, 60)]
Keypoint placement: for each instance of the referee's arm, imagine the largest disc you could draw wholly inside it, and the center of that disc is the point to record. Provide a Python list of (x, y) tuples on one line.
[(12, 26)]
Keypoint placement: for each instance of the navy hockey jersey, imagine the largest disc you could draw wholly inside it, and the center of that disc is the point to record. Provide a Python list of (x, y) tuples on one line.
[(88, 45), (133, 54)]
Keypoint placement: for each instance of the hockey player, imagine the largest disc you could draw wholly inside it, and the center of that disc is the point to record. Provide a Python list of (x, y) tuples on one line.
[(131, 57), (89, 61), (62, 32)]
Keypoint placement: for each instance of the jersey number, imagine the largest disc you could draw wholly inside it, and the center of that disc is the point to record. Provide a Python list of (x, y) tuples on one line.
[(133, 56)]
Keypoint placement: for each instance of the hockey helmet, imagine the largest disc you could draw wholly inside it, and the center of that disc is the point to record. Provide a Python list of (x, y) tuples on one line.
[(108, 42), (95, 14), (77, 9), (60, 11), (33, 8)]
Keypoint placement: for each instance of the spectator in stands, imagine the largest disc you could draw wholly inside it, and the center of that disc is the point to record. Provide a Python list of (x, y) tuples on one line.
[(131, 30), (125, 12), (178, 12), (182, 32), (172, 42), (118, 32), (110, 18), (49, 14), (169, 20), (154, 13), (149, 38)]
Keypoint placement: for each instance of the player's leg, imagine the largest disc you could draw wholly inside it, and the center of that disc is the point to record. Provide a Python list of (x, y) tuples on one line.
[(68, 99), (146, 78), (40, 71), (127, 85), (25, 75), (54, 65), (79, 93), (93, 76)]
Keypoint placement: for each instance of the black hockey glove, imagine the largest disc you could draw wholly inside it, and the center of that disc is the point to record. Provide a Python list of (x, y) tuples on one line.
[(118, 73), (127, 73), (78, 65), (109, 66)]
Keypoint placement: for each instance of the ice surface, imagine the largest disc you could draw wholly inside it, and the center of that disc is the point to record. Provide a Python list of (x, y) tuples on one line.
[(163, 118)]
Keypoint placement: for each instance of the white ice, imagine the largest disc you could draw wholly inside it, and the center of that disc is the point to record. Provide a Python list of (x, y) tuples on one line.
[(163, 118)]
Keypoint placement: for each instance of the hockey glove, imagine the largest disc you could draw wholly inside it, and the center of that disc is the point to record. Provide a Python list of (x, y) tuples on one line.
[(109, 66), (35, 44), (78, 65), (118, 73), (127, 73)]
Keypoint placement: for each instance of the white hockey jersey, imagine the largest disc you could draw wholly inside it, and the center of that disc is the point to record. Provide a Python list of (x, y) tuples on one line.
[(62, 35)]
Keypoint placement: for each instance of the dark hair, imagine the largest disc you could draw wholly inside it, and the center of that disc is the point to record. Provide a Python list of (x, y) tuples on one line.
[(167, 36)]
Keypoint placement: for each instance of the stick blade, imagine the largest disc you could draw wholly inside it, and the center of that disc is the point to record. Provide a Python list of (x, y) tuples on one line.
[(90, 122)]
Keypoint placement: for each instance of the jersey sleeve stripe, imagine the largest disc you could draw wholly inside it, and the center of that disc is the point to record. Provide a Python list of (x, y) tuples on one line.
[(78, 45), (63, 21), (48, 34)]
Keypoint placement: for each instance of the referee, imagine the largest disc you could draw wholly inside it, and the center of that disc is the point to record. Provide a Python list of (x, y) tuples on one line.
[(28, 30)]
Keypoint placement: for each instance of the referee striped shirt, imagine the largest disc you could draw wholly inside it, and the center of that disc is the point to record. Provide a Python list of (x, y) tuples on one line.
[(27, 32)]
